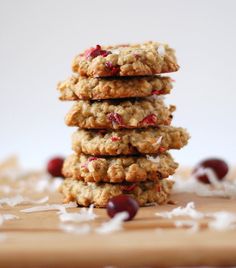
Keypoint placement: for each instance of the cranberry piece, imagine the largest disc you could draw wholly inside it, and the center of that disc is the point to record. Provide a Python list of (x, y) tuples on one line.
[(116, 118), (158, 92), (128, 187), (93, 52), (113, 69), (54, 167), (115, 138), (218, 166), (90, 159), (159, 188), (122, 203), (162, 149), (149, 120)]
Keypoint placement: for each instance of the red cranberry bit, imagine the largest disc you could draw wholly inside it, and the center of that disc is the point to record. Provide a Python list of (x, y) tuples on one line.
[(112, 69), (102, 131), (158, 92), (90, 159), (159, 188), (93, 52), (218, 166), (122, 203), (115, 138), (128, 188), (54, 167), (162, 149), (149, 120), (116, 118)]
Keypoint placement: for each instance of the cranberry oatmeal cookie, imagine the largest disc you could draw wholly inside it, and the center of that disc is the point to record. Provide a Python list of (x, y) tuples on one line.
[(119, 169), (128, 142), (117, 114), (89, 88), (126, 60), (87, 193)]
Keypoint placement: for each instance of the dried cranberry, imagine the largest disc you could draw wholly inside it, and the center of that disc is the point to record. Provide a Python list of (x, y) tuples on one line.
[(159, 188), (90, 159), (149, 120), (112, 69), (122, 203), (162, 149), (97, 51), (128, 187), (218, 166), (158, 92), (116, 118), (115, 138), (54, 166)]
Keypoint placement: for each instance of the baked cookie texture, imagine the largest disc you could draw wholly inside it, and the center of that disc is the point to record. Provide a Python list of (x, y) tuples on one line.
[(87, 193), (118, 114), (126, 60), (119, 169), (89, 88), (129, 142)]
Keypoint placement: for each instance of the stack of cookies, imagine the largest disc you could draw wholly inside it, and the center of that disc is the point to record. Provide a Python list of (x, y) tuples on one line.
[(124, 132)]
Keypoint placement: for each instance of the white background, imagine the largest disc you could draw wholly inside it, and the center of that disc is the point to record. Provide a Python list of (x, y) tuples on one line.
[(38, 40)]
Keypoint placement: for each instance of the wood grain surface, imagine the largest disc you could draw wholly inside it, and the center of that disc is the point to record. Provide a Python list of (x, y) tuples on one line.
[(35, 239)]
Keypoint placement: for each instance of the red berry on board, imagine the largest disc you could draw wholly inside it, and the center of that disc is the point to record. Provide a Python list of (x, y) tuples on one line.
[(219, 167), (54, 167), (122, 203)]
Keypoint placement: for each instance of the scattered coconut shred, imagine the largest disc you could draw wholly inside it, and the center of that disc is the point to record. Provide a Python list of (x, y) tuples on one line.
[(220, 221), (225, 188), (17, 200), (7, 217)]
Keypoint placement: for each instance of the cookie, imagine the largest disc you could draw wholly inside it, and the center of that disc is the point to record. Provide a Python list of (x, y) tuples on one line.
[(126, 60), (87, 193), (119, 169), (128, 142), (117, 114), (89, 88)]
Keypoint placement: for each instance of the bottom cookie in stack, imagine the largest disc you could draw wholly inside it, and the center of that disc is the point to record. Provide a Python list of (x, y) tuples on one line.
[(87, 193)]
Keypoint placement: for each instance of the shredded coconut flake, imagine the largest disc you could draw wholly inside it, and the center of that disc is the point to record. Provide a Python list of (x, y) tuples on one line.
[(225, 188), (193, 225), (7, 217), (16, 200), (155, 160), (82, 216), (115, 224), (161, 50), (159, 140), (69, 228), (189, 210), (52, 207), (222, 221)]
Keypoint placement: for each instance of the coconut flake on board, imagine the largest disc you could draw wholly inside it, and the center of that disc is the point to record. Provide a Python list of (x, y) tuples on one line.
[(222, 221), (73, 229), (7, 217), (18, 199), (189, 210), (60, 207), (113, 225), (82, 216), (225, 188), (193, 226)]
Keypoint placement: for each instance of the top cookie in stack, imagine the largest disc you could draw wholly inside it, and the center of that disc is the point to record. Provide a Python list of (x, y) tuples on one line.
[(124, 126)]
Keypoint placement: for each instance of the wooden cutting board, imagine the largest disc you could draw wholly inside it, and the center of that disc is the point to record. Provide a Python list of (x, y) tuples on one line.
[(35, 240)]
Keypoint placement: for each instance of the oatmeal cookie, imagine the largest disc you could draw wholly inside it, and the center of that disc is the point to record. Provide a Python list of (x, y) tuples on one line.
[(126, 60), (90, 88), (128, 142), (87, 193), (119, 169), (117, 114)]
